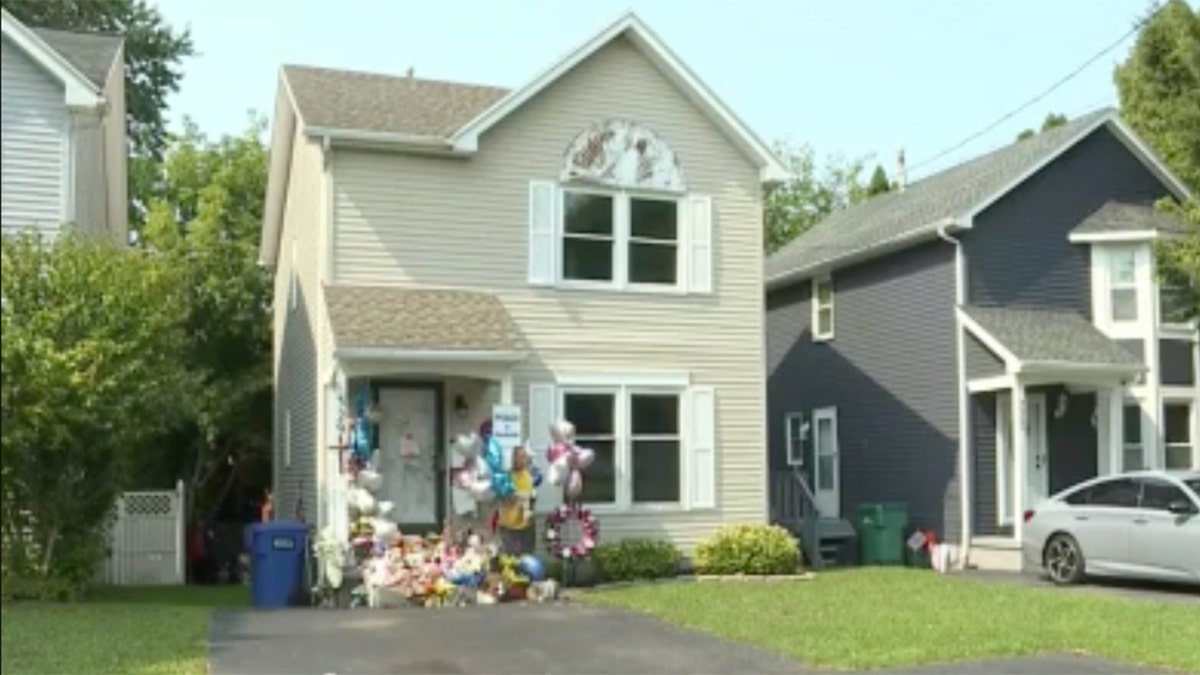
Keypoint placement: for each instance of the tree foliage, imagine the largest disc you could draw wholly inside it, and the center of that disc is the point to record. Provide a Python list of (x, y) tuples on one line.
[(792, 207), (1052, 120), (879, 182), (204, 219), (91, 373), (1159, 91)]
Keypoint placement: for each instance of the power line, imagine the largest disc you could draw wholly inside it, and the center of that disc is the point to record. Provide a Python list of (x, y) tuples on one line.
[(1024, 106)]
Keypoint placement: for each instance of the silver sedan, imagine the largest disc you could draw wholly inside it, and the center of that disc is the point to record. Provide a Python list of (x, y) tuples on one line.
[(1141, 525)]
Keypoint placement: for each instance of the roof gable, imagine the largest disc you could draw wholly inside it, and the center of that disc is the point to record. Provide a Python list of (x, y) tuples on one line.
[(655, 51), (947, 200), (94, 55), (80, 89)]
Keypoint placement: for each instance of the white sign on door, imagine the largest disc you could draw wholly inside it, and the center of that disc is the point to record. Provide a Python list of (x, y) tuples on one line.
[(506, 428)]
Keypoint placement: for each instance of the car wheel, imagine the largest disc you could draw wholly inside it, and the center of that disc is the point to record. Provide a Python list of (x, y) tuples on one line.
[(1064, 560)]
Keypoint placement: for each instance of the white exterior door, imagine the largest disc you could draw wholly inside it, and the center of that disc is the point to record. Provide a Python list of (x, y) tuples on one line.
[(827, 470), (408, 453), (1037, 465)]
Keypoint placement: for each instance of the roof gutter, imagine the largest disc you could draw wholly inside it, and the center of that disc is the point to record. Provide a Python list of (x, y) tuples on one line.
[(965, 470), (385, 139), (926, 232)]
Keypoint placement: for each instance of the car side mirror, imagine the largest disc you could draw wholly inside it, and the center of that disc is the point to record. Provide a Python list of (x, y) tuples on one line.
[(1181, 507)]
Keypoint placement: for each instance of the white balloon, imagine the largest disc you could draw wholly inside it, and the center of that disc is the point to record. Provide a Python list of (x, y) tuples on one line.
[(362, 501), (481, 491), (369, 480), (483, 471), (558, 470), (385, 530), (384, 508), (467, 445)]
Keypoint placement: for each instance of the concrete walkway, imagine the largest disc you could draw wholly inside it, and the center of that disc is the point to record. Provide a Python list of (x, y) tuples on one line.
[(567, 638)]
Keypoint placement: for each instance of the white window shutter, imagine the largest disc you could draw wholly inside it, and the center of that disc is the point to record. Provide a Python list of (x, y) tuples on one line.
[(700, 244), (542, 227), (702, 448), (542, 399)]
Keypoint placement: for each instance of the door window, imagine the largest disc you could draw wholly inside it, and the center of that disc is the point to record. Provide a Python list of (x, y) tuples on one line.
[(1120, 493), (1158, 494)]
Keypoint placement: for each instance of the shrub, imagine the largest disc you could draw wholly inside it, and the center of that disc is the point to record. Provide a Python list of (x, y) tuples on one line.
[(631, 559), (749, 549)]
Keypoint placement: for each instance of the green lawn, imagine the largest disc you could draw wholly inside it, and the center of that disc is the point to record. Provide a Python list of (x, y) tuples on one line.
[(874, 618), (121, 630)]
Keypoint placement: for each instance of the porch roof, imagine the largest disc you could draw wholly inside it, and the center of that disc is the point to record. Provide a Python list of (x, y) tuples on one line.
[(1120, 218), (420, 320), (1034, 339)]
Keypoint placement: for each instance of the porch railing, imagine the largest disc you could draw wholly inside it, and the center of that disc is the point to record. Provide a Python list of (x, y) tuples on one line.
[(794, 506)]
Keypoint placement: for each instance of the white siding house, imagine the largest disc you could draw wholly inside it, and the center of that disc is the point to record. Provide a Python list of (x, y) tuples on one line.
[(62, 115), (586, 247)]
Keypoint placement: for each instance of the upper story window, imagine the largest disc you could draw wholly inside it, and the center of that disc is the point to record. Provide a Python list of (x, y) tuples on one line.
[(1173, 304), (822, 320), (596, 247), (620, 217), (1122, 285)]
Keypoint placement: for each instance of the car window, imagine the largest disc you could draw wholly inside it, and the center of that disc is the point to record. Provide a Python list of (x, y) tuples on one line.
[(1158, 493), (1120, 492), (1193, 483)]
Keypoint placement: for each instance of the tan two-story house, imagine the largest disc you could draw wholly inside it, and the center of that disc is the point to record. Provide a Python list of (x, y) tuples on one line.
[(587, 247)]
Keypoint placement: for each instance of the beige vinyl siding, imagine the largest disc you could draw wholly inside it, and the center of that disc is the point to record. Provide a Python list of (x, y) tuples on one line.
[(296, 337), (419, 221), (35, 123)]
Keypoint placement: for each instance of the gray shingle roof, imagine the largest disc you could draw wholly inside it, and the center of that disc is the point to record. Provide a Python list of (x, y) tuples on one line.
[(1038, 335), (92, 54), (384, 316), (342, 99), (1121, 217), (948, 194)]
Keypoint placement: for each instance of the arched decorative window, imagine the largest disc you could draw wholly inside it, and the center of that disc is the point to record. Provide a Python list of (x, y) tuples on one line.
[(625, 155)]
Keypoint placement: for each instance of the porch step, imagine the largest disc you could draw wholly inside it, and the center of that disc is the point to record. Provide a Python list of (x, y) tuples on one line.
[(995, 553)]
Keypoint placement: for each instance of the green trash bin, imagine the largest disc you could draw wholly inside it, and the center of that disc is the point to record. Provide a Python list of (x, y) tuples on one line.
[(881, 533)]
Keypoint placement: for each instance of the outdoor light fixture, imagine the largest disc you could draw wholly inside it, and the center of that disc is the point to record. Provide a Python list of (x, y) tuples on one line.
[(460, 406)]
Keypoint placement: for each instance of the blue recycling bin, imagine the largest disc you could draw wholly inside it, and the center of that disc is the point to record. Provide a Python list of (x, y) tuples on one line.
[(279, 549)]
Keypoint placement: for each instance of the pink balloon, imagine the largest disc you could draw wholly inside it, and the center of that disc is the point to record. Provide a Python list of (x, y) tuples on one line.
[(556, 451), (584, 457)]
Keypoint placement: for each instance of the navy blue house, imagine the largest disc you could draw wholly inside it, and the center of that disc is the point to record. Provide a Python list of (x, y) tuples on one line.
[(910, 336)]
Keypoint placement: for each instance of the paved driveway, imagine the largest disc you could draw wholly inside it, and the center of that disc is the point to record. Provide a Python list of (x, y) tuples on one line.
[(1134, 590), (567, 638)]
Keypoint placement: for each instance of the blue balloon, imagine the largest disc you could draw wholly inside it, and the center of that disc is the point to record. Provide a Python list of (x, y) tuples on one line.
[(532, 567), (502, 482), (537, 476)]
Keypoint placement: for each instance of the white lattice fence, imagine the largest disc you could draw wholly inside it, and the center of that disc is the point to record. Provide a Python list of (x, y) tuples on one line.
[(147, 539)]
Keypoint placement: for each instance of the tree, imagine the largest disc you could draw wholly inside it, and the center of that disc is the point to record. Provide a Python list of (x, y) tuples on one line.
[(154, 53), (1159, 91), (204, 219), (91, 370), (1179, 262), (1052, 120), (793, 206), (879, 182)]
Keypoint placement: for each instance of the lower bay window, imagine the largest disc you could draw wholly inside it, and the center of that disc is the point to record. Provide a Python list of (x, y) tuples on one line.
[(653, 434), (637, 438)]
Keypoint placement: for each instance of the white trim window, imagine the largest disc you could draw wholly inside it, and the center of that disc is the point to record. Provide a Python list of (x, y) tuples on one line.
[(589, 238), (620, 238), (1177, 434), (1133, 455), (637, 437), (822, 308), (1122, 284), (793, 434)]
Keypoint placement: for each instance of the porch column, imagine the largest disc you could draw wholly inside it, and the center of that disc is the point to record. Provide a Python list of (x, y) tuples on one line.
[(1116, 430), (1020, 444), (506, 388)]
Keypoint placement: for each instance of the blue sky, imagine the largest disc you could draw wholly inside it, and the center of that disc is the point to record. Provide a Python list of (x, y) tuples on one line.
[(848, 77)]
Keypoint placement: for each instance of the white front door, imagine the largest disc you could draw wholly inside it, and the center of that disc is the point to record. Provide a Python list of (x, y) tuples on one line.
[(1037, 465), (408, 454), (827, 469)]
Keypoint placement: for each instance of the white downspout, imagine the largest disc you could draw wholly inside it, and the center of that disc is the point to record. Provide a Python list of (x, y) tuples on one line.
[(965, 494)]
